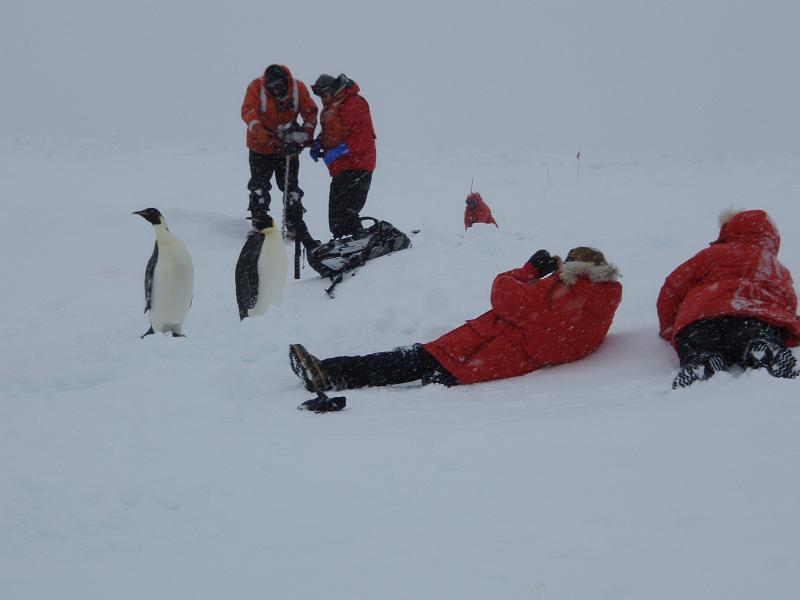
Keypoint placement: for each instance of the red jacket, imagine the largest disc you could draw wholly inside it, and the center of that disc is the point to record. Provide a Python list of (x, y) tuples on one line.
[(477, 211), (346, 118), (533, 323), (260, 106), (739, 275)]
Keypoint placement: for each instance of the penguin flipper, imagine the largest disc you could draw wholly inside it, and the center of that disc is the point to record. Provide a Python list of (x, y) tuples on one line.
[(247, 274), (148, 279)]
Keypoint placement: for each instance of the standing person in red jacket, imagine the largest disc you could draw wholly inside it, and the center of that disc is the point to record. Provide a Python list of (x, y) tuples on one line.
[(271, 107), (732, 303), (347, 145), (543, 314)]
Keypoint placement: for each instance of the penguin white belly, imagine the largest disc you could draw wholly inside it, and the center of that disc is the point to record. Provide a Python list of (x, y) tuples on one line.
[(273, 265), (173, 282)]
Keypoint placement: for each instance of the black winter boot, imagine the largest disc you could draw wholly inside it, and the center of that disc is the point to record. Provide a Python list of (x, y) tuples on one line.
[(775, 357), (259, 210), (699, 368), (308, 368)]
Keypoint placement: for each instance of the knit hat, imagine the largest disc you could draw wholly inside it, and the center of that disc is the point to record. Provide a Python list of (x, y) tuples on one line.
[(325, 84)]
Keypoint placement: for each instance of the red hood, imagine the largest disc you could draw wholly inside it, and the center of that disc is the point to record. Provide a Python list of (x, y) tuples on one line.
[(289, 77), (750, 227)]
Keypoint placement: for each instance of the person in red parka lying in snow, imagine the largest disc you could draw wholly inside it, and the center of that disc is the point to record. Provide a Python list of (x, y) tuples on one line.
[(477, 211), (732, 303), (543, 314)]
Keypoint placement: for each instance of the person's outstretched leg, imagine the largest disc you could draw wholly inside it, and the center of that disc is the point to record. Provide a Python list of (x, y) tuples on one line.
[(401, 365)]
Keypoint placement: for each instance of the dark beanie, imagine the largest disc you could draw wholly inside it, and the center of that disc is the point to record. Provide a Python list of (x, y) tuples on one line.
[(323, 84)]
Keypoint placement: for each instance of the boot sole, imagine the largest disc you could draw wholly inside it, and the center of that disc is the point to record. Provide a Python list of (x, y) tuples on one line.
[(313, 378)]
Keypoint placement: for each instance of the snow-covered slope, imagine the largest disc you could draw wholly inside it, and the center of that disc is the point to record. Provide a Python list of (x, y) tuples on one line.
[(179, 468)]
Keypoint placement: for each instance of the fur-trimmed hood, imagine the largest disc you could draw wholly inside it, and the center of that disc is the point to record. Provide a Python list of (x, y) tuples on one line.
[(748, 227), (573, 269)]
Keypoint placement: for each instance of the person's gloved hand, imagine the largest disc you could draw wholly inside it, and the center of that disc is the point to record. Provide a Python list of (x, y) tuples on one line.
[(336, 152), (261, 133), (544, 263), (297, 137), (316, 150)]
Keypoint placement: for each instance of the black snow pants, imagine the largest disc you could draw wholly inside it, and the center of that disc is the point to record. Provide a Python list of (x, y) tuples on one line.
[(347, 197), (726, 336), (262, 167), (401, 365)]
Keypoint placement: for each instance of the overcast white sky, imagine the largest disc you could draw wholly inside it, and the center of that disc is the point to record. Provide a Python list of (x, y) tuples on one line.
[(674, 75)]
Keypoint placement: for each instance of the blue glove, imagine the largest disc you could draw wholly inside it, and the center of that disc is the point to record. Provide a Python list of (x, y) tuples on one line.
[(336, 152), (316, 150)]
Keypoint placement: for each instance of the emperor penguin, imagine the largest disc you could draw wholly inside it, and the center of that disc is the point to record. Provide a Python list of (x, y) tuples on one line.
[(261, 270), (168, 279)]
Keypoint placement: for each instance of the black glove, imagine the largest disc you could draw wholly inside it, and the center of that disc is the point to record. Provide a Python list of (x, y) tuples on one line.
[(543, 262)]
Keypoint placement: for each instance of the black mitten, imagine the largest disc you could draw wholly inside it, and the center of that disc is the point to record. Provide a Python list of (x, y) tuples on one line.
[(543, 262)]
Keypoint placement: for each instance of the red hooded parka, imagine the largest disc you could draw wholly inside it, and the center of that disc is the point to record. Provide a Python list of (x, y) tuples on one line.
[(533, 323), (477, 211), (260, 106), (739, 275), (346, 117)]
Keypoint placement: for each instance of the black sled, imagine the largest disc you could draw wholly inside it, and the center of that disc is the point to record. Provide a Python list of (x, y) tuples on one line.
[(342, 255)]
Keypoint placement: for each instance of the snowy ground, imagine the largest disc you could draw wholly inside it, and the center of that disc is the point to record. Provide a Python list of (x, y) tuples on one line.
[(179, 468)]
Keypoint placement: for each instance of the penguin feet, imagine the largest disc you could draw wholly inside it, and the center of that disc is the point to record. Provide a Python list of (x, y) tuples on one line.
[(151, 332)]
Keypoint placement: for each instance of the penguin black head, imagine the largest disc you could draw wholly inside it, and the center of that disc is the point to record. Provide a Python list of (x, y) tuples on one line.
[(152, 215)]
